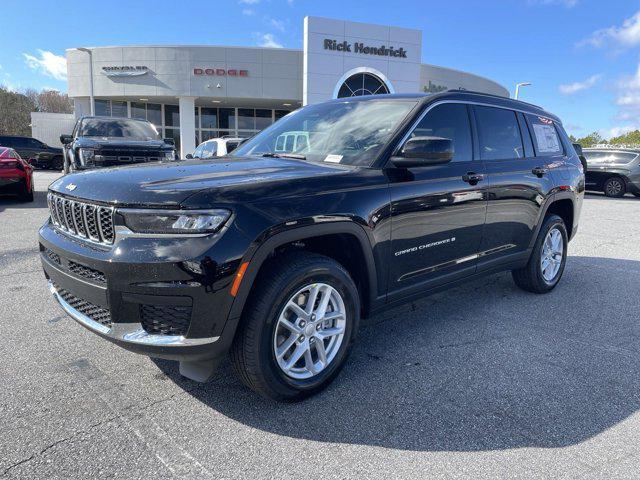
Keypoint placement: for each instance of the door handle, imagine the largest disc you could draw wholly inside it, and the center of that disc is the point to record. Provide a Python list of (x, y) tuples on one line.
[(539, 171), (472, 178)]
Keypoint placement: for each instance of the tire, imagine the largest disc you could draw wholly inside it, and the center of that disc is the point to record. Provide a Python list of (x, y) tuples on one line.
[(614, 187), (261, 332), (532, 278), (26, 194), (57, 164)]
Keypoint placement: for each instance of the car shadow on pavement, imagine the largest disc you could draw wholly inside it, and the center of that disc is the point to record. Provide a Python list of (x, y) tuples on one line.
[(484, 366), (13, 201)]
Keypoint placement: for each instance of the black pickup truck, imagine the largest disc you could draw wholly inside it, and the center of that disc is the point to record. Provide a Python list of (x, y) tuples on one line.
[(111, 141), (274, 255)]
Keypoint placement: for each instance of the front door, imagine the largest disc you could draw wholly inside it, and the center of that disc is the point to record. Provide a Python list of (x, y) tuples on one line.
[(438, 211)]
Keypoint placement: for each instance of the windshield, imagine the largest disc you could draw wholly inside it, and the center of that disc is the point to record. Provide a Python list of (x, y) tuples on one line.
[(348, 132), (119, 128)]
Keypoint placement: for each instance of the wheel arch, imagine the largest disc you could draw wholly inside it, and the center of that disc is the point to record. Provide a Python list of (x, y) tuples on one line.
[(562, 204), (317, 239)]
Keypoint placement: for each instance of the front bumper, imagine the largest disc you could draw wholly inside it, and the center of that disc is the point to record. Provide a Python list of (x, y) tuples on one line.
[(116, 292)]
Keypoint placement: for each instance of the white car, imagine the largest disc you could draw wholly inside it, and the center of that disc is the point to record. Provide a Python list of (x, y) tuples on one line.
[(216, 147)]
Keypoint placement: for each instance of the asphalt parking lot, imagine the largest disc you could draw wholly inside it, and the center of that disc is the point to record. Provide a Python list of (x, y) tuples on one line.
[(483, 381)]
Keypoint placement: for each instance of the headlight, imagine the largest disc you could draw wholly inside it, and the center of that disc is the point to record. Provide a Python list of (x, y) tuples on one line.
[(175, 221), (170, 155), (87, 156)]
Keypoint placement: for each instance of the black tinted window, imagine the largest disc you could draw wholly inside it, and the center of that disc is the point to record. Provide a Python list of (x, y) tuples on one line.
[(547, 141), (499, 134), (16, 142), (449, 120)]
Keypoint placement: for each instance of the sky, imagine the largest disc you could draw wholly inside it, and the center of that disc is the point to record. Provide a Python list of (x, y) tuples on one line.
[(581, 56)]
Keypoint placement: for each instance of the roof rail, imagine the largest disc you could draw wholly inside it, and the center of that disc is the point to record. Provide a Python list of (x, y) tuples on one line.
[(492, 95)]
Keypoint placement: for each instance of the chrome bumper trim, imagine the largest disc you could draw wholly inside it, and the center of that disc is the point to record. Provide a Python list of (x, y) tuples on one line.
[(128, 332)]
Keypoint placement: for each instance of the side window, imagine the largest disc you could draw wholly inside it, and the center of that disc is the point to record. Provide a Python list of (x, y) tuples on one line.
[(499, 134), (231, 146), (19, 142), (546, 140), (449, 120), (288, 146), (302, 144), (526, 136), (280, 143)]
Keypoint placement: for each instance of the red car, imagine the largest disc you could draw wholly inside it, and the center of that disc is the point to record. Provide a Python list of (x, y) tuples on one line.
[(16, 175)]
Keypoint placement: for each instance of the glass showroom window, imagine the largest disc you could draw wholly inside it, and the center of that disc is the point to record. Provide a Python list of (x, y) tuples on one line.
[(362, 84)]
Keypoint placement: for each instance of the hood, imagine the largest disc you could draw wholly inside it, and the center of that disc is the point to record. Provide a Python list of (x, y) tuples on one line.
[(226, 180), (117, 142)]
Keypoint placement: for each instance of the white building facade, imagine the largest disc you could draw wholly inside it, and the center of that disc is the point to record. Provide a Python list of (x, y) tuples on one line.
[(193, 93)]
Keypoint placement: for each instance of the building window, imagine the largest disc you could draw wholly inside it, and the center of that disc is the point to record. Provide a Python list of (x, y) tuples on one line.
[(208, 117), (171, 116), (362, 84), (102, 108)]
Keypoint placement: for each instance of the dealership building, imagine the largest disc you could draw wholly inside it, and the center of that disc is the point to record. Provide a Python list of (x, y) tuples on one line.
[(193, 93)]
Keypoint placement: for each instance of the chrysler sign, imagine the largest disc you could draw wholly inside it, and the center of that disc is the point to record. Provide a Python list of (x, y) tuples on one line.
[(125, 70), (359, 47)]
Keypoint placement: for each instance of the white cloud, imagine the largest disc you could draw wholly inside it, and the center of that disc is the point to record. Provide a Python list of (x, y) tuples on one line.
[(564, 3), (617, 131), (571, 88), (626, 35), (248, 12), (49, 63), (277, 24), (268, 40)]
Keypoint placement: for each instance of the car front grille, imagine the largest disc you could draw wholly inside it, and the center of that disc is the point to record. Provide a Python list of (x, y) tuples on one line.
[(118, 159), (94, 312), (165, 319), (81, 219)]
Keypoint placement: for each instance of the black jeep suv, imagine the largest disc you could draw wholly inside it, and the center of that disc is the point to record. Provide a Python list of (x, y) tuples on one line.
[(112, 141), (39, 154), (275, 256)]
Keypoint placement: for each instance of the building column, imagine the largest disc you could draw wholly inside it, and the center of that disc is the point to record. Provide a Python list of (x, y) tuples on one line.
[(187, 106)]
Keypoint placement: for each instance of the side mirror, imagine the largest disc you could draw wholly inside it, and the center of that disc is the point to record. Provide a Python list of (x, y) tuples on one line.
[(66, 139), (189, 156), (169, 141), (423, 151)]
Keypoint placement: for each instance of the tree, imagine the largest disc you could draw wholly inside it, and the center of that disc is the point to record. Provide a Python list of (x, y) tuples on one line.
[(16, 111), (629, 138), (590, 140), (50, 101)]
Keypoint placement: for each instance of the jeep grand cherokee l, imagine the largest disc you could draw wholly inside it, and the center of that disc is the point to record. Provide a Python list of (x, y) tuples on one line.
[(112, 141), (275, 256)]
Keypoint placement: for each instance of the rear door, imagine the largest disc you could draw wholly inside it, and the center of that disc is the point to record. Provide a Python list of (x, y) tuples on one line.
[(438, 211), (517, 179)]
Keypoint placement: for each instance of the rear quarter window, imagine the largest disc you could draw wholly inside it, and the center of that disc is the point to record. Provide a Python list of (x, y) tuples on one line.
[(545, 136)]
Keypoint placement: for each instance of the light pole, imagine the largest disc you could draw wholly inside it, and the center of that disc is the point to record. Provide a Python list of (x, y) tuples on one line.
[(91, 102), (518, 85)]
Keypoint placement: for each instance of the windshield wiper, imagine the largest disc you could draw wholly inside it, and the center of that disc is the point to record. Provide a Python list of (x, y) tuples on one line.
[(284, 155)]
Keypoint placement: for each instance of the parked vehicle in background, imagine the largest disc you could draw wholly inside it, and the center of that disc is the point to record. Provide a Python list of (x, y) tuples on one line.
[(614, 171), (583, 159), (275, 256), (16, 175), (39, 154), (216, 147), (111, 141)]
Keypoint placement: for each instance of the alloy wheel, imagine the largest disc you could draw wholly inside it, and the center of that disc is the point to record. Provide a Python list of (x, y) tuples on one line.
[(614, 187), (552, 253), (310, 331)]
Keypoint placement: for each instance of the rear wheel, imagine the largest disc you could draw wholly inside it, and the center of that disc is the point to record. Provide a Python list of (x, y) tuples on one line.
[(297, 330), (614, 187), (546, 264)]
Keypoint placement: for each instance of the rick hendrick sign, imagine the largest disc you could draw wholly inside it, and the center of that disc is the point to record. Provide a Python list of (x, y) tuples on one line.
[(359, 47)]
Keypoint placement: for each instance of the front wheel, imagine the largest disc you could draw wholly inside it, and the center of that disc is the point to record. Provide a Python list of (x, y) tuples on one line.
[(298, 327), (548, 258), (614, 187)]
